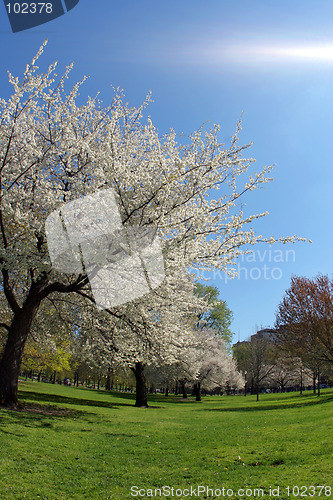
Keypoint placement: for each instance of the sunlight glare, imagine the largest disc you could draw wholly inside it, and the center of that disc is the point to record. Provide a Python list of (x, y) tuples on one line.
[(323, 53)]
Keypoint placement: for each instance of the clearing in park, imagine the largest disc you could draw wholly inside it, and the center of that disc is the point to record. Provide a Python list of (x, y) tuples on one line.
[(75, 443)]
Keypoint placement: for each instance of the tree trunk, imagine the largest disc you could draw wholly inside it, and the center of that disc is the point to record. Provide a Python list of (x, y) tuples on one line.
[(257, 388), (108, 380), (167, 391), (197, 391), (39, 376), (184, 390), (318, 383), (12, 355), (141, 388)]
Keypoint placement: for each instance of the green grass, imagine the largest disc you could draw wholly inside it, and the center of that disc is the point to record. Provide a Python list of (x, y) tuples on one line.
[(74, 443)]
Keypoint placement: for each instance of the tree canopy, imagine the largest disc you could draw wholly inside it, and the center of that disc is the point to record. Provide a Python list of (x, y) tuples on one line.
[(304, 319), (218, 317), (54, 150)]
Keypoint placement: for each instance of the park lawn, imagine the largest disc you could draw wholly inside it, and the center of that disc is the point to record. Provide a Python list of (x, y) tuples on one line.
[(72, 443)]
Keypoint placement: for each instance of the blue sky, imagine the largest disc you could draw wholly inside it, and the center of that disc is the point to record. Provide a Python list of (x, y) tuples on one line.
[(214, 60)]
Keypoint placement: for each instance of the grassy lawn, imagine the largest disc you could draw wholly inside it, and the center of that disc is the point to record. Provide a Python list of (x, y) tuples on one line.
[(74, 443)]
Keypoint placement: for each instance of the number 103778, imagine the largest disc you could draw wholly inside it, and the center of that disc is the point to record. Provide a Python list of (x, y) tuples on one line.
[(29, 8), (309, 491)]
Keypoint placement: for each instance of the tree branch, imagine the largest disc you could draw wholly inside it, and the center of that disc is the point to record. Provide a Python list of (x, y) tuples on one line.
[(8, 290)]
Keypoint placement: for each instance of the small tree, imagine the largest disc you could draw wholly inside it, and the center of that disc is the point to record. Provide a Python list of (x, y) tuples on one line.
[(260, 361)]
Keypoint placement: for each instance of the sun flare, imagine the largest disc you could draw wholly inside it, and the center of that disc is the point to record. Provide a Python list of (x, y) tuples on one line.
[(320, 52), (262, 52)]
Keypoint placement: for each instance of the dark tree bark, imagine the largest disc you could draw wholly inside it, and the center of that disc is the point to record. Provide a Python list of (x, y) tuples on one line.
[(184, 390), (20, 327), (13, 351), (257, 388), (318, 385), (197, 391), (141, 387)]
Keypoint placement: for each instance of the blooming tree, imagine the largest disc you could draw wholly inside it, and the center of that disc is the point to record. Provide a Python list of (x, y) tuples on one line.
[(204, 362), (150, 331), (54, 151), (288, 371), (211, 366)]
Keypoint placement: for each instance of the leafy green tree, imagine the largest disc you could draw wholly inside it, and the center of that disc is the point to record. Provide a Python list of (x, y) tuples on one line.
[(219, 317)]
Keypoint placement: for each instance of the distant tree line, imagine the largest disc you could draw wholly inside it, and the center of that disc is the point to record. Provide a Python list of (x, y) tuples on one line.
[(299, 351)]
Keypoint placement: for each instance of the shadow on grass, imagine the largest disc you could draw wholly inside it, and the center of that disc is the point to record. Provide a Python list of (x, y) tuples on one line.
[(12, 433), (130, 397), (174, 399), (56, 399), (274, 406), (34, 416), (121, 395)]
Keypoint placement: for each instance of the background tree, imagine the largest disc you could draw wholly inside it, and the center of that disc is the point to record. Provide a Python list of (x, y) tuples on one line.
[(260, 361), (241, 354), (304, 322), (263, 363), (204, 363), (219, 316), (286, 371), (46, 357), (209, 365)]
